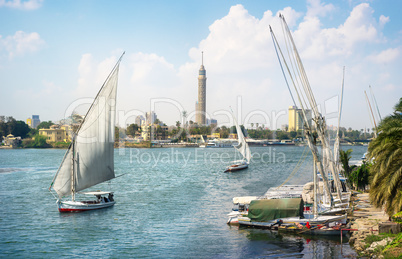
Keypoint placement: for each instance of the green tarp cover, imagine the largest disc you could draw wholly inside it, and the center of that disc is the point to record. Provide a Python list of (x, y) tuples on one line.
[(266, 210)]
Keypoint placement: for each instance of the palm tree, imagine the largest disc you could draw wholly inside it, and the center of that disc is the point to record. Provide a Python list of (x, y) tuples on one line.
[(185, 123), (344, 157), (386, 171)]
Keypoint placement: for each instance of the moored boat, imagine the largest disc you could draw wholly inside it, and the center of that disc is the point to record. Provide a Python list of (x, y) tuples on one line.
[(265, 213)]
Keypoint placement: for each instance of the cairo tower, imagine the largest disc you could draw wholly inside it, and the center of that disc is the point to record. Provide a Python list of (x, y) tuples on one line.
[(202, 85)]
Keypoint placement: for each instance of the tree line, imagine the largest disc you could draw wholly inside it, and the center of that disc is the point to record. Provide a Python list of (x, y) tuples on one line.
[(382, 169), (30, 136)]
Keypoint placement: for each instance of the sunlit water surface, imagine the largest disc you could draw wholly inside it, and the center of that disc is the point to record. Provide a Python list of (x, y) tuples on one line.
[(171, 203)]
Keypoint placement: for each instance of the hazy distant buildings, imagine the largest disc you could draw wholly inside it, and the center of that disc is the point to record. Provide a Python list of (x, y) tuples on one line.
[(139, 120), (212, 122), (200, 106), (150, 118), (296, 121), (35, 121)]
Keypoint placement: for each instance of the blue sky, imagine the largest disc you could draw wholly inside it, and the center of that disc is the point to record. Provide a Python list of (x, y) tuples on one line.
[(55, 53)]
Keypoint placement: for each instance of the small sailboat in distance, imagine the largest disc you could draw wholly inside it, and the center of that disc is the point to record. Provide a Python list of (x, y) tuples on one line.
[(89, 160), (243, 149)]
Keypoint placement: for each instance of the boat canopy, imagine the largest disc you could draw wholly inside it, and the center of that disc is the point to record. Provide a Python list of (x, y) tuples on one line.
[(266, 210), (96, 193), (244, 199)]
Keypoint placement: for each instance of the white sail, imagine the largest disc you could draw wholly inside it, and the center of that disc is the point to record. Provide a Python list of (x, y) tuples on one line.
[(242, 147), (62, 181), (92, 146)]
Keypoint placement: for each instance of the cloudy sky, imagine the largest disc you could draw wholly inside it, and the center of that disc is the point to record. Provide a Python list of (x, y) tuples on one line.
[(55, 55)]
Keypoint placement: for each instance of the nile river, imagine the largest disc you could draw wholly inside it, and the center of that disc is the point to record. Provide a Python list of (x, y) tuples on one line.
[(171, 203)]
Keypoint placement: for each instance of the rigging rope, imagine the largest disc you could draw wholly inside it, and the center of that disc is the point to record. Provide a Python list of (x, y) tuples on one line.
[(297, 167)]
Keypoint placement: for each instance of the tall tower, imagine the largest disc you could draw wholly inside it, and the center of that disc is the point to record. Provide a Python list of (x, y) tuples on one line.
[(202, 85)]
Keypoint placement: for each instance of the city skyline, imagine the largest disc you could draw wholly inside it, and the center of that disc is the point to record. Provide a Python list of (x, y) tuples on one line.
[(47, 67)]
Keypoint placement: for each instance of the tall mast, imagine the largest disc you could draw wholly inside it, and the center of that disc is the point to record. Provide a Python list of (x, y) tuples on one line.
[(375, 102), (315, 189), (72, 170), (371, 110), (318, 119)]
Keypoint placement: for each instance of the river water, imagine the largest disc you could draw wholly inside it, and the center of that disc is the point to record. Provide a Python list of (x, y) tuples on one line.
[(171, 203)]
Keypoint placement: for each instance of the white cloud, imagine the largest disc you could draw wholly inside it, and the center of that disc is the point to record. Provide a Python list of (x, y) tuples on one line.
[(385, 56), (21, 43), (318, 43), (150, 70), (240, 61), (360, 25), (316, 8), (23, 5), (92, 74), (383, 20)]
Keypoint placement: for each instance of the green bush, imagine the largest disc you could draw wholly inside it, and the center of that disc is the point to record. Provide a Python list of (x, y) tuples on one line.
[(397, 217), (39, 141), (61, 144)]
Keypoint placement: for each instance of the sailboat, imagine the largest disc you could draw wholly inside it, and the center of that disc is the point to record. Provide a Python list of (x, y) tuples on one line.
[(89, 160), (269, 212), (243, 149)]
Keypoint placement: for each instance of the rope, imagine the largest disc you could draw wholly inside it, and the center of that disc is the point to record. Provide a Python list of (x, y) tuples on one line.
[(297, 167)]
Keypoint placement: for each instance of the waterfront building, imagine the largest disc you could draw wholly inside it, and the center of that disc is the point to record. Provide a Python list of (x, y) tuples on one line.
[(11, 141), (200, 106), (233, 135), (54, 134), (154, 132), (35, 121), (296, 121), (69, 131)]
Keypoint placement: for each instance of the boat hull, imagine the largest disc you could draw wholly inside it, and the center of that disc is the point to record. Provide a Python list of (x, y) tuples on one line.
[(293, 220), (78, 206), (315, 231), (234, 168)]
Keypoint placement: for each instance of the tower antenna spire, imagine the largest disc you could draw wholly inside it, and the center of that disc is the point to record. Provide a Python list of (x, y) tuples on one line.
[(202, 57)]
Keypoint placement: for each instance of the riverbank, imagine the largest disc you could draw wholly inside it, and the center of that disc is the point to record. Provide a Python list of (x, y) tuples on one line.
[(366, 218)]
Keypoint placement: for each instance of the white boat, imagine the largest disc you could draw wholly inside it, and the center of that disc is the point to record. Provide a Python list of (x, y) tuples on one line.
[(221, 143), (243, 149), (211, 145), (89, 160)]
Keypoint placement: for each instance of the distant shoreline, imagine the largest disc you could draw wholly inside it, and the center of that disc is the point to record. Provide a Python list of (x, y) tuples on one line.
[(118, 145)]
